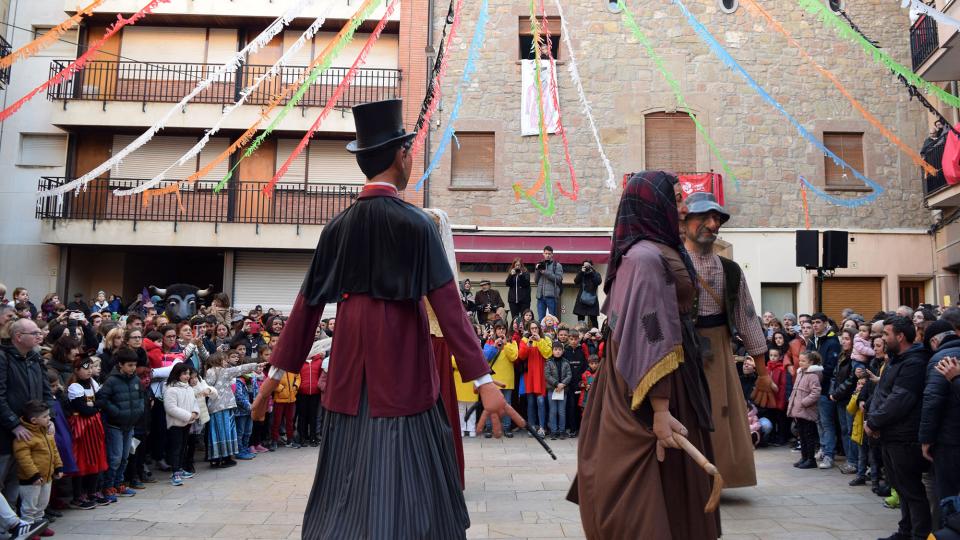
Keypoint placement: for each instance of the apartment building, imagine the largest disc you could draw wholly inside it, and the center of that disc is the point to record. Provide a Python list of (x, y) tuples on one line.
[(254, 247), (890, 252)]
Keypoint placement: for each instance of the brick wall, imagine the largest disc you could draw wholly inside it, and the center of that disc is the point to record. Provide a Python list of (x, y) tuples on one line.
[(413, 42)]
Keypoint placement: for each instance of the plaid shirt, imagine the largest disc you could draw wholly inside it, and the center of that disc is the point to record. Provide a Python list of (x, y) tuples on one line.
[(744, 317)]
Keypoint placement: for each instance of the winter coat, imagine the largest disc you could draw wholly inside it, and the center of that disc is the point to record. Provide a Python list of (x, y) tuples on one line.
[(502, 364), (778, 374), (844, 379), (180, 402), (286, 391), (829, 348), (466, 391), (198, 392), (940, 412), (518, 286), (242, 394), (21, 380), (120, 401), (862, 350), (589, 283), (806, 394), (896, 406), (535, 355), (586, 382), (222, 380), (550, 281), (489, 297), (557, 371), (310, 377), (37, 458)]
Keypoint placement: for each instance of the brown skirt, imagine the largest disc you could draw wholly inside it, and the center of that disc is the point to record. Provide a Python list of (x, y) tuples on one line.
[(622, 490), (732, 445)]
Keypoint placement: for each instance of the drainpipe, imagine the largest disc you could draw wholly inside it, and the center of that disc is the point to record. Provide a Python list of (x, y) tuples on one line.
[(430, 60)]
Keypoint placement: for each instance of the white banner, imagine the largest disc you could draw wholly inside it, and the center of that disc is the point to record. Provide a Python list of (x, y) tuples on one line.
[(529, 105)]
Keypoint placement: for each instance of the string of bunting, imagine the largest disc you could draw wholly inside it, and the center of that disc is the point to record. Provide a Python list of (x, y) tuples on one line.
[(806, 205), (640, 36), (555, 95), (931, 11), (432, 99), (74, 67), (437, 64), (344, 83), (818, 8), (550, 208), (256, 44), (735, 66), (245, 94), (476, 43), (755, 9), (584, 103), (50, 36), (321, 65)]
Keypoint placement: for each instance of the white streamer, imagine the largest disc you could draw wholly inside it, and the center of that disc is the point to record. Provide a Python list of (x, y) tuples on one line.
[(584, 103), (258, 43), (939, 16), (246, 93)]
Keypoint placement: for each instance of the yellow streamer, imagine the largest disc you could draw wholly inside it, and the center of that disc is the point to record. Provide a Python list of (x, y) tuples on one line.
[(49, 37)]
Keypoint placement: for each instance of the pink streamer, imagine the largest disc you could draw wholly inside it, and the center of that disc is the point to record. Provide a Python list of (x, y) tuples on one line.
[(360, 60), (68, 72), (555, 94)]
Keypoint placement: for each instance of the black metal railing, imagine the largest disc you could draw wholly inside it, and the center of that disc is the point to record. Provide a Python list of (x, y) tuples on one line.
[(5, 50), (169, 83), (238, 202), (924, 40)]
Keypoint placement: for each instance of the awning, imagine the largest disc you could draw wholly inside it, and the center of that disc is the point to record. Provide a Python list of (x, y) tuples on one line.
[(503, 249)]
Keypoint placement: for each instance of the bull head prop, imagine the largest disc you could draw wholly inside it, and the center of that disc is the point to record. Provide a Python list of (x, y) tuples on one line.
[(180, 301)]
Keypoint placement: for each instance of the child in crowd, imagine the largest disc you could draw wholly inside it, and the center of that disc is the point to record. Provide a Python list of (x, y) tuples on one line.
[(856, 431), (202, 391), (259, 432), (777, 413), (222, 443), (121, 402), (89, 448), (587, 380), (308, 399), (862, 348), (558, 375), (573, 353), (284, 408), (535, 349), (466, 397), (38, 462), (182, 410), (803, 406), (243, 418)]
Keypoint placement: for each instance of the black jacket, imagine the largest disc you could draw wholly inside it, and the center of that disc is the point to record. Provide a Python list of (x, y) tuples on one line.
[(897, 402), (120, 401), (588, 282), (940, 416), (519, 289), (829, 348), (844, 380), (21, 380)]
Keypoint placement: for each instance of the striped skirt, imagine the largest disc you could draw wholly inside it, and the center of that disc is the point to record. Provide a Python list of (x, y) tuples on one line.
[(386, 478), (222, 435), (89, 446)]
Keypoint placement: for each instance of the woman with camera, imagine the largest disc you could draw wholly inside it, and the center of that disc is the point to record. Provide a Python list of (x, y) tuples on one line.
[(518, 283), (588, 304)]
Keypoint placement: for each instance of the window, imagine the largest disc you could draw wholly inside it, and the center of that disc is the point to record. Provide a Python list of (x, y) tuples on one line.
[(526, 38), (65, 47), (472, 161), (728, 6), (849, 146), (42, 150), (911, 293), (670, 142), (778, 298)]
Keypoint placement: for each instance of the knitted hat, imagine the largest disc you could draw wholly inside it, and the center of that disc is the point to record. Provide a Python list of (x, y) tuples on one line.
[(936, 328)]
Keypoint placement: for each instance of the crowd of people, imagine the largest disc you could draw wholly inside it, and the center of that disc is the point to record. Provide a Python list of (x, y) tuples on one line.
[(99, 401)]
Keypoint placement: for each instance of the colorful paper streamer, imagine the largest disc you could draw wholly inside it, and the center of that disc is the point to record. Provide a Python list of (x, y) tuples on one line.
[(640, 36), (757, 10), (931, 11), (555, 95), (344, 83), (49, 37), (476, 43), (584, 102), (806, 205), (436, 84), (818, 8), (343, 38), (288, 55), (74, 67), (735, 66)]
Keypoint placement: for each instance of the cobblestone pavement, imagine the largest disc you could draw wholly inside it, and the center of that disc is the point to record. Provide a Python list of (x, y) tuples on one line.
[(514, 491)]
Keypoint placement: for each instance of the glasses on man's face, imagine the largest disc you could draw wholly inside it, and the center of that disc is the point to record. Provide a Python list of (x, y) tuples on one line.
[(38, 333)]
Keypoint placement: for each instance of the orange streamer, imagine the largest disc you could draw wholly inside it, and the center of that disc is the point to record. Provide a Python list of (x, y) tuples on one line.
[(806, 205), (756, 10), (49, 37), (247, 135)]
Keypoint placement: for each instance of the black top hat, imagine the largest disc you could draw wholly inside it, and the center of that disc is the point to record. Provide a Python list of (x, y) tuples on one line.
[(378, 123)]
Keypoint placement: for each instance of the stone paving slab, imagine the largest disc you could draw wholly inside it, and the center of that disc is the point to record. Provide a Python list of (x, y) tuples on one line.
[(513, 491)]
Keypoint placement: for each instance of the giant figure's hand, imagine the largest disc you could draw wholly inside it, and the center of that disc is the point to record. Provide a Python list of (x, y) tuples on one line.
[(765, 391), (495, 408)]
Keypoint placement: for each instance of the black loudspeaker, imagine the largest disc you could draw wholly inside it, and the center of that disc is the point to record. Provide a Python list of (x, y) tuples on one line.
[(835, 249), (808, 249)]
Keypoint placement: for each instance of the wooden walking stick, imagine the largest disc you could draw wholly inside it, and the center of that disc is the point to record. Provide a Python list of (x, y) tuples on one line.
[(714, 501)]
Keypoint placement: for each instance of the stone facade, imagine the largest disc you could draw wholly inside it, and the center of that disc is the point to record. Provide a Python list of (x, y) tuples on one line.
[(623, 85)]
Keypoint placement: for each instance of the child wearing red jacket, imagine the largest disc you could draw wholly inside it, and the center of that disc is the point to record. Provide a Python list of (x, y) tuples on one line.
[(588, 378), (308, 399)]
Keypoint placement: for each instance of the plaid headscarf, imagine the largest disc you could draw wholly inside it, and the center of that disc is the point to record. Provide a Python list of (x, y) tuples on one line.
[(648, 211)]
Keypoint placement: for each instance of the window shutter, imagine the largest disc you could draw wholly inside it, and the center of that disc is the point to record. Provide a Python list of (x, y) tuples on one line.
[(153, 157), (849, 146), (670, 142), (330, 163), (472, 163), (222, 46), (164, 45), (214, 148), (42, 150), (269, 279), (64, 48), (864, 295), (297, 172)]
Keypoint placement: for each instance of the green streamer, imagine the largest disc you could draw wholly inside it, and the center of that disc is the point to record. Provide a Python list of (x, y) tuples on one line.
[(323, 66), (815, 7), (674, 85)]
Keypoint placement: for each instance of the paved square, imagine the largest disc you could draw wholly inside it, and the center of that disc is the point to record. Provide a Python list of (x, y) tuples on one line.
[(514, 490)]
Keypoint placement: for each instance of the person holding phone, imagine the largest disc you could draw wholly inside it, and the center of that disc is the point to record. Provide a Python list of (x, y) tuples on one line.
[(488, 302), (588, 281), (518, 284)]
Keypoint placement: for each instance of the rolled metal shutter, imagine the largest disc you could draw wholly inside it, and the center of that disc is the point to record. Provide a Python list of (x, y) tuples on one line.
[(268, 279), (864, 295)]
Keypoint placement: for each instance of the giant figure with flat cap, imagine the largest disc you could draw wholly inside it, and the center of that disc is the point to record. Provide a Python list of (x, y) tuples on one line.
[(387, 467), (725, 312)]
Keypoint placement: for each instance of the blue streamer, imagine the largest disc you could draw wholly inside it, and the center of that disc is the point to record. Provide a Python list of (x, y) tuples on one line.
[(475, 45), (731, 63)]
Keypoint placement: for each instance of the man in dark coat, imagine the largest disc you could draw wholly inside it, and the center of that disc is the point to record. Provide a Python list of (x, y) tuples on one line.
[(588, 282), (940, 415), (488, 302), (894, 417)]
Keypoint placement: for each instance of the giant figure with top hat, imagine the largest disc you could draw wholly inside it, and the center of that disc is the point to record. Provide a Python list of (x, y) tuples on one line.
[(387, 467)]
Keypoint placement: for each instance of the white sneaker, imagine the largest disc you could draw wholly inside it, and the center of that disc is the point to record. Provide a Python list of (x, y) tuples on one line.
[(473, 434), (825, 463), (819, 455)]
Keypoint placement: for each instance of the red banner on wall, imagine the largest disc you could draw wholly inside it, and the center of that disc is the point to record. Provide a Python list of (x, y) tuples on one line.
[(694, 182)]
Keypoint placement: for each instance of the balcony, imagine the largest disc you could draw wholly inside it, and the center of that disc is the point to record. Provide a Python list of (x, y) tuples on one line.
[(5, 50), (935, 49), (227, 11), (239, 202), (924, 40)]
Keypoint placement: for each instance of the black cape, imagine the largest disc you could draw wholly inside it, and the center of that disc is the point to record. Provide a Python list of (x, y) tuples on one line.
[(380, 246)]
